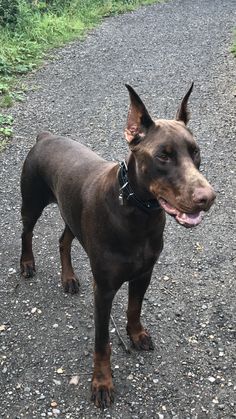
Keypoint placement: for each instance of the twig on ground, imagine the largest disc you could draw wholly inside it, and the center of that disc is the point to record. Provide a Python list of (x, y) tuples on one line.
[(119, 336)]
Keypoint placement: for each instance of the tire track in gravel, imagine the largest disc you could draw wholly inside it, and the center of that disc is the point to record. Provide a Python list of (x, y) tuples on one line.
[(190, 306)]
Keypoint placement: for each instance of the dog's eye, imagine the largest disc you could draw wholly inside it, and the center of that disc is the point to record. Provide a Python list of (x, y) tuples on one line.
[(163, 157)]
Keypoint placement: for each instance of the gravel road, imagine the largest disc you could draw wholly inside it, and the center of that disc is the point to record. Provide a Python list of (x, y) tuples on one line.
[(46, 336)]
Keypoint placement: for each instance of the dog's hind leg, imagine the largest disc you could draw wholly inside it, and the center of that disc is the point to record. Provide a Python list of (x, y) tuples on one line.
[(140, 338), (30, 212), (69, 281), (35, 197)]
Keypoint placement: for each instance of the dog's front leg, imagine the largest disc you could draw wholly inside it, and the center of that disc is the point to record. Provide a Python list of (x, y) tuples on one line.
[(102, 386), (140, 338)]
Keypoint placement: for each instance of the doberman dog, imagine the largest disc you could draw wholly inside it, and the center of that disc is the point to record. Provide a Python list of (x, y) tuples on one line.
[(117, 212)]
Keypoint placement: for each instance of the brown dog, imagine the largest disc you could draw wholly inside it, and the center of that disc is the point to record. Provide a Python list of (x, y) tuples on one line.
[(117, 212)]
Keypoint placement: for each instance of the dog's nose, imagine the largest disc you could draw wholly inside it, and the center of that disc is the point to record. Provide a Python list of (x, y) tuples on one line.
[(204, 197)]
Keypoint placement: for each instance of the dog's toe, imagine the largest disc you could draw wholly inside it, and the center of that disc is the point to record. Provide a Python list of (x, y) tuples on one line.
[(143, 342), (102, 397), (27, 269), (71, 285)]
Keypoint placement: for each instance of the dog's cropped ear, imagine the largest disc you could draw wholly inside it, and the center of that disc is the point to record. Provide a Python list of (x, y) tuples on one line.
[(183, 112), (139, 120)]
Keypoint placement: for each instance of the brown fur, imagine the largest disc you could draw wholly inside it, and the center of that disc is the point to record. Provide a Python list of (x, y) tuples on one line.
[(123, 242)]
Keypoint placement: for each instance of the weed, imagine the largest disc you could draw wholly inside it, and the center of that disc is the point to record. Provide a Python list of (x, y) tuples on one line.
[(29, 29), (6, 131)]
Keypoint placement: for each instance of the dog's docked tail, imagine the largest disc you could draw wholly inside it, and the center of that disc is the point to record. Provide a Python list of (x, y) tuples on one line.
[(42, 135)]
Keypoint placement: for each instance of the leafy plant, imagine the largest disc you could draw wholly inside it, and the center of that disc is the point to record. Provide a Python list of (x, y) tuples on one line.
[(6, 122), (9, 12), (31, 28)]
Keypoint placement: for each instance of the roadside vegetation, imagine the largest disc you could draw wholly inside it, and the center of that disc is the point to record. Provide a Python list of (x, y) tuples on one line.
[(30, 28), (234, 44)]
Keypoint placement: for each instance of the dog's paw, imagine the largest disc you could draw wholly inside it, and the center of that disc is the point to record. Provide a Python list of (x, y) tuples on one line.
[(142, 342), (27, 268), (71, 285), (102, 395)]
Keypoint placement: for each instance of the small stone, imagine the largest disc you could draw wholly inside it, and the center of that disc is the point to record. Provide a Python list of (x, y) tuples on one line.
[(155, 380), (56, 412), (12, 271), (211, 379), (34, 309), (60, 371), (57, 382), (130, 377), (215, 400), (55, 326), (2, 327), (53, 403), (74, 380)]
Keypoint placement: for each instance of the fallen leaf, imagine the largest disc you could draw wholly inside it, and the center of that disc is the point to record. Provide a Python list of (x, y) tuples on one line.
[(199, 247)]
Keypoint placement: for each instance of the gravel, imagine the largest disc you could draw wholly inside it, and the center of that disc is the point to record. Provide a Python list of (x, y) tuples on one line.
[(46, 336)]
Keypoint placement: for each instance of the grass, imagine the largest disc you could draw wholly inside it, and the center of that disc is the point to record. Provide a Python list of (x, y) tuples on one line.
[(6, 132), (38, 30), (233, 49)]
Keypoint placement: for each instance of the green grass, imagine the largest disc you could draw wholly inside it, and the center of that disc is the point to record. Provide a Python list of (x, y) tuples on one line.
[(6, 132), (234, 45), (38, 30)]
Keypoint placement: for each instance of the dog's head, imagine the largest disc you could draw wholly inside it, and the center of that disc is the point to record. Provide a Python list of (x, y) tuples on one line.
[(167, 160)]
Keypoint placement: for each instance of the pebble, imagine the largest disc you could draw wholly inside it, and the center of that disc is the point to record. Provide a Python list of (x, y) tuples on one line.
[(215, 400), (74, 380), (57, 382), (12, 271), (56, 411)]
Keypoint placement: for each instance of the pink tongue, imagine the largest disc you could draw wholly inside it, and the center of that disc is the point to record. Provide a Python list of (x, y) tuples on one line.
[(190, 219), (182, 217)]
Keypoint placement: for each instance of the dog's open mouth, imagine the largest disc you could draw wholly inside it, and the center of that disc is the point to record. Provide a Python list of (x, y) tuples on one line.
[(187, 220)]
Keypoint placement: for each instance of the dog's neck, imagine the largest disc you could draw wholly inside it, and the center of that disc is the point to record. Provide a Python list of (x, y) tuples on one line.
[(131, 189)]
